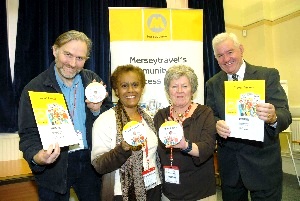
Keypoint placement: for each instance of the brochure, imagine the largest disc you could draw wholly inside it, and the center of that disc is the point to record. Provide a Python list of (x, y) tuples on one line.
[(53, 120), (241, 98)]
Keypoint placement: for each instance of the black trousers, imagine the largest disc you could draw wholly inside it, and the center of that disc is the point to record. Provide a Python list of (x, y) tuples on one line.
[(240, 193)]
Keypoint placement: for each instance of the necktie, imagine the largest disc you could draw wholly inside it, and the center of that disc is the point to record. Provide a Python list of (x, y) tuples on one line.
[(235, 77)]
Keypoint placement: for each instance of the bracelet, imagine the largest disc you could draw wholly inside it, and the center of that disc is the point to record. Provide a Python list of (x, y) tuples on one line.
[(189, 148)]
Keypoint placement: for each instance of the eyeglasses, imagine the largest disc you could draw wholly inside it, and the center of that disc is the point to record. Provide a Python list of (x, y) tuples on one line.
[(70, 56)]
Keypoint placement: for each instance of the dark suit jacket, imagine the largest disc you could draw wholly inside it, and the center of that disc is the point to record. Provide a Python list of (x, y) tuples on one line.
[(258, 163), (54, 176)]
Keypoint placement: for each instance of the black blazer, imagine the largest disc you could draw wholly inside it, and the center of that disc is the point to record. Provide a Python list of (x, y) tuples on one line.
[(258, 163)]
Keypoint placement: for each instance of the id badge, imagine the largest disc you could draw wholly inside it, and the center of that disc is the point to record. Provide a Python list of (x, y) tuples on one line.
[(149, 178), (171, 174)]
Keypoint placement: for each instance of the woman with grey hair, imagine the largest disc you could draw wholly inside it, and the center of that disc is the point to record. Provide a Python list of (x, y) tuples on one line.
[(192, 158)]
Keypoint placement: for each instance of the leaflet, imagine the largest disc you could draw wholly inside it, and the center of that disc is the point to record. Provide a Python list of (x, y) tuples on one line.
[(241, 98), (52, 119)]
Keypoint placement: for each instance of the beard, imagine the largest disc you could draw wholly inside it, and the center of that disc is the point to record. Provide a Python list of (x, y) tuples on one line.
[(67, 71), (65, 74)]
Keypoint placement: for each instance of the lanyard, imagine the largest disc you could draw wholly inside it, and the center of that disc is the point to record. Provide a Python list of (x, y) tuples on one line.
[(171, 156), (146, 152), (145, 145), (74, 105)]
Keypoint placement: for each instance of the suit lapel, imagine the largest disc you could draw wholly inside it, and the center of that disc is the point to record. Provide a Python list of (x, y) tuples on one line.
[(250, 72), (223, 77)]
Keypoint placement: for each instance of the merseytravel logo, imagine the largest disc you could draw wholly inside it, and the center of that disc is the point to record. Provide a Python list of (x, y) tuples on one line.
[(157, 23), (157, 27)]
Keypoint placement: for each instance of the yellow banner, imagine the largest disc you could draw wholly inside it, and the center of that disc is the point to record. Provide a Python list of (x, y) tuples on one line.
[(155, 24), (156, 39)]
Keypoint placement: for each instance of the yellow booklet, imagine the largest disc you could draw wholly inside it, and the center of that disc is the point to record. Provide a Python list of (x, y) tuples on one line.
[(53, 119), (241, 98)]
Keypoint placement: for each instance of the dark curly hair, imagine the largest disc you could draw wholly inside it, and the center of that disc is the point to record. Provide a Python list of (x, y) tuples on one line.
[(124, 69)]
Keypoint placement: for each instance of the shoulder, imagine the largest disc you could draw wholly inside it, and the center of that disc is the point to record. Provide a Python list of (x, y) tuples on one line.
[(161, 115), (203, 113), (106, 117), (220, 75), (260, 69), (145, 112), (88, 72), (105, 124), (88, 76), (163, 112), (37, 83), (202, 109)]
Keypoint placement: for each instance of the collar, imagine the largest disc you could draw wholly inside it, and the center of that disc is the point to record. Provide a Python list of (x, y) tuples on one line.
[(240, 73)]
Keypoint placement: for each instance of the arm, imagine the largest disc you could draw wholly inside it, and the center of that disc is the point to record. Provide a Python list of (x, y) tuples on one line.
[(201, 133), (276, 105), (207, 141), (212, 95), (30, 143), (211, 99), (106, 156)]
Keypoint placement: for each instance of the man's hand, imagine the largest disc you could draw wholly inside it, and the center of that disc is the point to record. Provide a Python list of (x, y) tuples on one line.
[(266, 112), (45, 157), (95, 107), (222, 129)]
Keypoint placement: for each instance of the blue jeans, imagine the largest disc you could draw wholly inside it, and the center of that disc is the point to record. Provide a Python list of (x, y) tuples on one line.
[(81, 176)]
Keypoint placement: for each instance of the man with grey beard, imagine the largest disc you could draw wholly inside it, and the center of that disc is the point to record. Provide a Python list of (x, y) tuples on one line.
[(57, 169)]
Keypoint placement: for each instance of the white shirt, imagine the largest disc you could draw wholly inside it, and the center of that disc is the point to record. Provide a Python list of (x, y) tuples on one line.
[(240, 73)]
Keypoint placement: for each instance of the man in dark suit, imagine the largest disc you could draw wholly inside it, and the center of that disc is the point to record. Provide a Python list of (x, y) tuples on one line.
[(247, 165)]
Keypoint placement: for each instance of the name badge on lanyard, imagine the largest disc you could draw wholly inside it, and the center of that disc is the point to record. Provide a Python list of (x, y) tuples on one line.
[(150, 178), (171, 174)]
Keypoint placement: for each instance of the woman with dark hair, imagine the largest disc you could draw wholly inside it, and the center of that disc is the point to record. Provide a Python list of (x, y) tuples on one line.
[(130, 173)]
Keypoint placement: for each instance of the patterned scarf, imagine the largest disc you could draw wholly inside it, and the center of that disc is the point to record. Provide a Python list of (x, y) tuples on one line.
[(132, 181)]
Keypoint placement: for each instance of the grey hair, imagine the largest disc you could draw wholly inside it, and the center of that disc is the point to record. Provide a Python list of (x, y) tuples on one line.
[(222, 37), (73, 35), (177, 71)]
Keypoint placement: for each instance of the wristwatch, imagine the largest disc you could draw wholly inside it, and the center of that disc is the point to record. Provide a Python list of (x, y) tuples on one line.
[(273, 124), (189, 148)]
